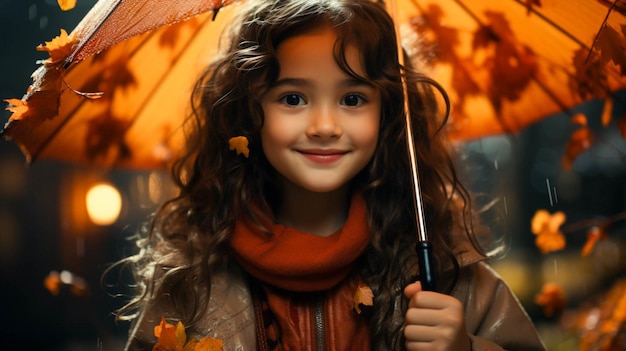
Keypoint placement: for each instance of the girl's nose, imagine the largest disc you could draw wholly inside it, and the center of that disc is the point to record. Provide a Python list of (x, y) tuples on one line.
[(324, 124)]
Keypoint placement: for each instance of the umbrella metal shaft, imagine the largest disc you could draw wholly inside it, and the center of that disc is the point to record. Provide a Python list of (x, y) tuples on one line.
[(423, 248)]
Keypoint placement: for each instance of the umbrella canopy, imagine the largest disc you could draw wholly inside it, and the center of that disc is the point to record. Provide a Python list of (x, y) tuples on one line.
[(115, 90)]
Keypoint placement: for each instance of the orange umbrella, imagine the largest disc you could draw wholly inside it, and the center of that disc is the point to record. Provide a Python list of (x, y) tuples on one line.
[(115, 90)]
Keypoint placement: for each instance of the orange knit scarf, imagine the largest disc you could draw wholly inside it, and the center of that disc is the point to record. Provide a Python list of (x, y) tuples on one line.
[(297, 261)]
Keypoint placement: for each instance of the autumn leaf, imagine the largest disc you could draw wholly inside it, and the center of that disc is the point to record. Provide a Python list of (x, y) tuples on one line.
[(363, 296), (208, 344), (607, 111), (59, 48), (66, 5), (599, 325), (547, 229), (52, 282), (579, 119), (172, 338), (590, 78), (551, 298), (609, 43), (169, 337), (240, 144), (593, 235), (41, 105), (580, 140)]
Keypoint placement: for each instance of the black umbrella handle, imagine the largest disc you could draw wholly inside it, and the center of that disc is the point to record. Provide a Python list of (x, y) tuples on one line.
[(426, 265)]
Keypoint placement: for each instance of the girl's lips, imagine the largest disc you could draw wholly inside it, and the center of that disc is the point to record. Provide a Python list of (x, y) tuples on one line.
[(323, 155)]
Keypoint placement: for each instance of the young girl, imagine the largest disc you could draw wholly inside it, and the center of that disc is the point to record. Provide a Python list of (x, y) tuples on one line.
[(268, 250)]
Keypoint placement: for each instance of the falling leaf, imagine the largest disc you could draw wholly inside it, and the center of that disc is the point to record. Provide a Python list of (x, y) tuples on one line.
[(363, 296), (551, 298), (240, 144), (593, 235), (547, 229), (52, 282), (59, 48), (580, 140), (579, 119), (66, 5), (607, 111)]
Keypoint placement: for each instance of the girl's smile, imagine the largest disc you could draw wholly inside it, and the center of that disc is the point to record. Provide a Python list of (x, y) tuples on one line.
[(323, 155), (321, 124)]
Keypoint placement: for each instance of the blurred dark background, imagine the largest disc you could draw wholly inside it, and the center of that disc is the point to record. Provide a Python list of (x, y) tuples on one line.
[(39, 235)]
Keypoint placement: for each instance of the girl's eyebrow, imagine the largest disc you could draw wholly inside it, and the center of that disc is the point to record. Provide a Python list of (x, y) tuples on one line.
[(301, 82)]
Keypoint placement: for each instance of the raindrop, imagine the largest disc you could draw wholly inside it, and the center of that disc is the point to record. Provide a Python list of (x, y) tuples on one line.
[(539, 173), (43, 22), (495, 149), (549, 192), (32, 12), (506, 208)]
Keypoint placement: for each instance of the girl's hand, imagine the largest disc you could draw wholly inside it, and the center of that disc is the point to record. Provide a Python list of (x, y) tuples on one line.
[(434, 321)]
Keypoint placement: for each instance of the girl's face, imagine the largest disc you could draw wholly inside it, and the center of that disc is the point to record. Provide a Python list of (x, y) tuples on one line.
[(321, 125)]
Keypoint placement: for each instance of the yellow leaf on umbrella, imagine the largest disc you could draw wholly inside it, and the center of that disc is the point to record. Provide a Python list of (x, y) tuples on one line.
[(66, 5), (40, 106), (240, 144), (363, 296), (59, 48)]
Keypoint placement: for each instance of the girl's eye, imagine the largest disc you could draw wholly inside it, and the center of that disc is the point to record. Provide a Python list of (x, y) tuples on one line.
[(352, 100), (292, 100)]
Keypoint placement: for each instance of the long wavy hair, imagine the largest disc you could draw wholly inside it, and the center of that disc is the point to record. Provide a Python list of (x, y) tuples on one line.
[(189, 235)]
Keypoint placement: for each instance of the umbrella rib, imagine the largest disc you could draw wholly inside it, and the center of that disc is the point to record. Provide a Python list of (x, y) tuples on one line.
[(549, 21), (34, 155), (70, 58), (44, 144), (556, 26)]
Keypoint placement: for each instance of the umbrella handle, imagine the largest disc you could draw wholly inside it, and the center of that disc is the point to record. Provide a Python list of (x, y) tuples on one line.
[(427, 269)]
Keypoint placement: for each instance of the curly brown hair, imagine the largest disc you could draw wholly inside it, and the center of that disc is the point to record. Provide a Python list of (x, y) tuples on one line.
[(189, 234)]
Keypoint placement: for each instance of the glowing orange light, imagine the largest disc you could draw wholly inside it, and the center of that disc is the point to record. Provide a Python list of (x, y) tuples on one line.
[(104, 204)]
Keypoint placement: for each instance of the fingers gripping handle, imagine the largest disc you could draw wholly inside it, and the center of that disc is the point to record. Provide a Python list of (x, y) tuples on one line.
[(427, 269)]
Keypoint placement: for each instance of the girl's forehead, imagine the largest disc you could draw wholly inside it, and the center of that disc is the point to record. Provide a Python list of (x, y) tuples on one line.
[(326, 38)]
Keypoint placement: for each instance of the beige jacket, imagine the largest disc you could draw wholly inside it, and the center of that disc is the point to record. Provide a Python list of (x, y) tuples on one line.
[(495, 319)]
